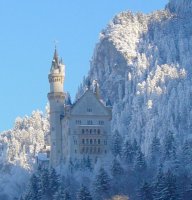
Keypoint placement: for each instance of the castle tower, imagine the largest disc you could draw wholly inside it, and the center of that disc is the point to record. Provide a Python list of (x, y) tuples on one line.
[(56, 100)]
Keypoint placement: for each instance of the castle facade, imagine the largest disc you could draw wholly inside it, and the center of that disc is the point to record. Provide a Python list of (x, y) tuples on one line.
[(79, 130)]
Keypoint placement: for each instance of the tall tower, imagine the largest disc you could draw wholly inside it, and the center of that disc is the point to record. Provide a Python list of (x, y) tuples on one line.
[(56, 100)]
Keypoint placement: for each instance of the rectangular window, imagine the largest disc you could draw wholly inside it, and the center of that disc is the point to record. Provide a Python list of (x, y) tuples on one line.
[(89, 122), (101, 122), (78, 122), (89, 110)]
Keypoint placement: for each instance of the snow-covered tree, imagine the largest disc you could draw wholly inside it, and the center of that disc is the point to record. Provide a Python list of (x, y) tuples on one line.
[(145, 192), (117, 144), (84, 194), (102, 184)]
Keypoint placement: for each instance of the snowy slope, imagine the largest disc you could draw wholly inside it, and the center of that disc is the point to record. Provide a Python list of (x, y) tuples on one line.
[(143, 63), (18, 148)]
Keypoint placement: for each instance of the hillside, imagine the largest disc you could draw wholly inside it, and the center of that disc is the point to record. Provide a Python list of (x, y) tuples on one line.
[(143, 63)]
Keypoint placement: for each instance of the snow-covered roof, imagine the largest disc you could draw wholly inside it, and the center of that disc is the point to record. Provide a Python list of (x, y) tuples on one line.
[(42, 156)]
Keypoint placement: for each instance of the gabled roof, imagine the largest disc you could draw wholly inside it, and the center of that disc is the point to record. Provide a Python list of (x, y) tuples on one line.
[(90, 104)]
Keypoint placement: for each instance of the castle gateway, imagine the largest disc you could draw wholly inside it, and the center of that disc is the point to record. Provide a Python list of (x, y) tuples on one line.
[(80, 130)]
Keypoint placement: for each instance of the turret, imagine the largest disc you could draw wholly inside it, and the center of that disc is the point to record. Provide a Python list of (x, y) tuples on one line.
[(56, 100)]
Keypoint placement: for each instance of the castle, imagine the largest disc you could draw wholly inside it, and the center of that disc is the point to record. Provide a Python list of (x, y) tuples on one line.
[(80, 130)]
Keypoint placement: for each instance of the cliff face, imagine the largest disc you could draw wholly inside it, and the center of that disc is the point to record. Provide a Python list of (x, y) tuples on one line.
[(144, 65)]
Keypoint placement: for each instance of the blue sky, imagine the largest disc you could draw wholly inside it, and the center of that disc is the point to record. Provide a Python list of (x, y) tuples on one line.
[(28, 31)]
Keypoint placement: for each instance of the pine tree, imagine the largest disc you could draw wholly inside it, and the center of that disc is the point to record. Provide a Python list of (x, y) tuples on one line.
[(140, 163), (117, 144), (66, 195), (159, 184), (34, 189), (53, 182), (145, 192), (169, 147), (45, 184), (155, 150), (62, 194), (127, 152), (83, 194), (170, 189), (186, 153), (116, 168), (102, 183)]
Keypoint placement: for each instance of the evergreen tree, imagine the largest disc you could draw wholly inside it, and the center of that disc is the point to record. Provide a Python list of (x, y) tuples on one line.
[(66, 195), (127, 152), (102, 183), (159, 184), (45, 184), (34, 189), (117, 144), (116, 168), (169, 147), (186, 153), (53, 182), (155, 150), (84, 194), (140, 163), (145, 192), (170, 189), (62, 194)]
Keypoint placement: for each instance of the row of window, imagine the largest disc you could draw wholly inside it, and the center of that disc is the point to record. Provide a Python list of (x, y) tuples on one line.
[(90, 131), (89, 122), (91, 141), (90, 150)]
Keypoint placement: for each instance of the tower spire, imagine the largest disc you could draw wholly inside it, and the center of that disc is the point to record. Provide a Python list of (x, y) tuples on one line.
[(56, 57)]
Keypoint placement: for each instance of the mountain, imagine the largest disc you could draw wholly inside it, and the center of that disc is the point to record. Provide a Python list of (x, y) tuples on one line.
[(143, 63), (18, 149)]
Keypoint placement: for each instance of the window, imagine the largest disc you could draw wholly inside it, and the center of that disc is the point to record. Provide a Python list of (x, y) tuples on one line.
[(90, 131), (83, 141), (99, 141), (87, 131), (91, 141), (98, 131), (89, 122), (98, 150), (101, 122), (95, 141), (95, 131), (91, 150), (78, 122), (89, 110), (87, 150), (87, 141), (83, 131)]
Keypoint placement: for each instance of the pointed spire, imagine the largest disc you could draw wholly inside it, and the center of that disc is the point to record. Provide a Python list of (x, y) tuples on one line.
[(56, 57)]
